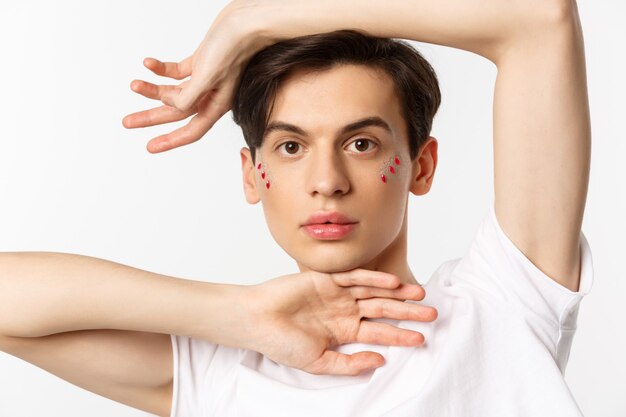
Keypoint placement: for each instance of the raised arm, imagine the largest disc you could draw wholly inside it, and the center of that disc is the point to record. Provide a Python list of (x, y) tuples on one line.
[(542, 139), (541, 119), (542, 146)]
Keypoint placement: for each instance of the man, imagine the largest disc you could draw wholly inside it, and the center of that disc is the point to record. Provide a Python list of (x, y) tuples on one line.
[(529, 254), (498, 316)]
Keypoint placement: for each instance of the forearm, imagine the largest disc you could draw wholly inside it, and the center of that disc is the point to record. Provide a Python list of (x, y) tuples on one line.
[(43, 293), (479, 26)]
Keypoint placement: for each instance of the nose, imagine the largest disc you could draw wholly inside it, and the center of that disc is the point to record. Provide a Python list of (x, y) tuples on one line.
[(327, 175)]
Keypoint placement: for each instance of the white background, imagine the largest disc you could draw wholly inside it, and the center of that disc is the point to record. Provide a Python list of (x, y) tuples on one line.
[(72, 179)]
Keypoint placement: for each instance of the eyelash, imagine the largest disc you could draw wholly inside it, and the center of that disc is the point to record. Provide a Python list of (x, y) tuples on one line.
[(372, 142), (286, 143)]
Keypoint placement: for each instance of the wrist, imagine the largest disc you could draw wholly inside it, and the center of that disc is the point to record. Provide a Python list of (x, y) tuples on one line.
[(270, 21), (251, 316), (223, 314), (246, 20)]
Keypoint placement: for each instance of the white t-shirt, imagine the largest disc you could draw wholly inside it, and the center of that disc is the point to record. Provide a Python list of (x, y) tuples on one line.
[(498, 348)]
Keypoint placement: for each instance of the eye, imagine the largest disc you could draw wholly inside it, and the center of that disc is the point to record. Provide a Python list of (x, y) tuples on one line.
[(290, 148), (362, 145)]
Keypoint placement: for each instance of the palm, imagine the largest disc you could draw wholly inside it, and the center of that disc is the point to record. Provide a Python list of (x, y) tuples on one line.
[(301, 316)]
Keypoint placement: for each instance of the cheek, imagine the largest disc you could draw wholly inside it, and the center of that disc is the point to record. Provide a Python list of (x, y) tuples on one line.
[(386, 208), (277, 201), (390, 169), (263, 174), (280, 207), (387, 199)]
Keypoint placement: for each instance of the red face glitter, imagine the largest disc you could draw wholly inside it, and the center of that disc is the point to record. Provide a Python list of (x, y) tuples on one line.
[(388, 166), (264, 174)]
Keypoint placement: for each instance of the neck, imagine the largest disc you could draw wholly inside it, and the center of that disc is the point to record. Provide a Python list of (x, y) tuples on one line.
[(393, 259)]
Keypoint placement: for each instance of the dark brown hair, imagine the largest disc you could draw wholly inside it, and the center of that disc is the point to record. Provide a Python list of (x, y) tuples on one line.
[(415, 80)]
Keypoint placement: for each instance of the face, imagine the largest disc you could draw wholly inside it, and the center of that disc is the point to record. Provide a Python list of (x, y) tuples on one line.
[(336, 145)]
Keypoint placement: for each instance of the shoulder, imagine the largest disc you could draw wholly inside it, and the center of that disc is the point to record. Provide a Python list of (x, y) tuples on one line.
[(495, 269)]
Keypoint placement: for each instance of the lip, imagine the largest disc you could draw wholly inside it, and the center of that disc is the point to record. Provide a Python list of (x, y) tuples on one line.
[(329, 225)]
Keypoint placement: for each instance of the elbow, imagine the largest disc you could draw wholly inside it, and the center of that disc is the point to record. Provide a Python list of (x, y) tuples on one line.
[(548, 15), (560, 12)]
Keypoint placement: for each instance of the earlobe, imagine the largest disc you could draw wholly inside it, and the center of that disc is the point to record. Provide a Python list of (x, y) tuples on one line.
[(424, 166), (248, 174)]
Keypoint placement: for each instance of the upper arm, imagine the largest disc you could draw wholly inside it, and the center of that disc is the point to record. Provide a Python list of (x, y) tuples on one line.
[(542, 145), (133, 368)]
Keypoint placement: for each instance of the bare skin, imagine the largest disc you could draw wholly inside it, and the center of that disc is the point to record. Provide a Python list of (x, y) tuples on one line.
[(542, 139), (79, 327), (541, 150)]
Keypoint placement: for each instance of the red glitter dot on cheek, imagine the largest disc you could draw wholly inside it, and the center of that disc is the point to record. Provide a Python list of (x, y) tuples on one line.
[(393, 171), (397, 160), (267, 185), (263, 174), (383, 178), (258, 166)]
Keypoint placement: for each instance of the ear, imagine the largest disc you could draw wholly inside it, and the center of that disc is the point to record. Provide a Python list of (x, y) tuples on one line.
[(249, 177), (423, 167)]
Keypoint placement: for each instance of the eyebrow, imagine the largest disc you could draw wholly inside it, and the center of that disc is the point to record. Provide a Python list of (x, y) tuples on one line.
[(359, 124)]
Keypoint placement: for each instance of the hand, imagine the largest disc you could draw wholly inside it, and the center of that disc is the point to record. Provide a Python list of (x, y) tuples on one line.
[(296, 318), (214, 69)]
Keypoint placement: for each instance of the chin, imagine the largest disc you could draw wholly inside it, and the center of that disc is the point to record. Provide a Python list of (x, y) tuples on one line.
[(329, 263)]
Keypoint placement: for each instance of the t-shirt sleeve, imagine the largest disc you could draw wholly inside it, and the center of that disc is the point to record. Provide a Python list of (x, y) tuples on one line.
[(503, 271), (200, 368)]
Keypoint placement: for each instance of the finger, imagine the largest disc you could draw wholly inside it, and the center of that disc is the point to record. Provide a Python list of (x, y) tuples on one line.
[(150, 90), (397, 310), (361, 276), (185, 98), (376, 333), (156, 116), (213, 107), (403, 292), (176, 70), (191, 132), (335, 363)]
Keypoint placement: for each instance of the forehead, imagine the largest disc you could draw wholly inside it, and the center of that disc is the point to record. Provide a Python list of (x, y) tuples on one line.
[(324, 101)]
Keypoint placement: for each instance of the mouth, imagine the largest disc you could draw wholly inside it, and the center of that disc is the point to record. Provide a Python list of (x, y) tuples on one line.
[(329, 225)]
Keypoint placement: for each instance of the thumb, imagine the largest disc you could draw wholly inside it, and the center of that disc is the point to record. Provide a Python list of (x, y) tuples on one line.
[(185, 96), (335, 363)]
